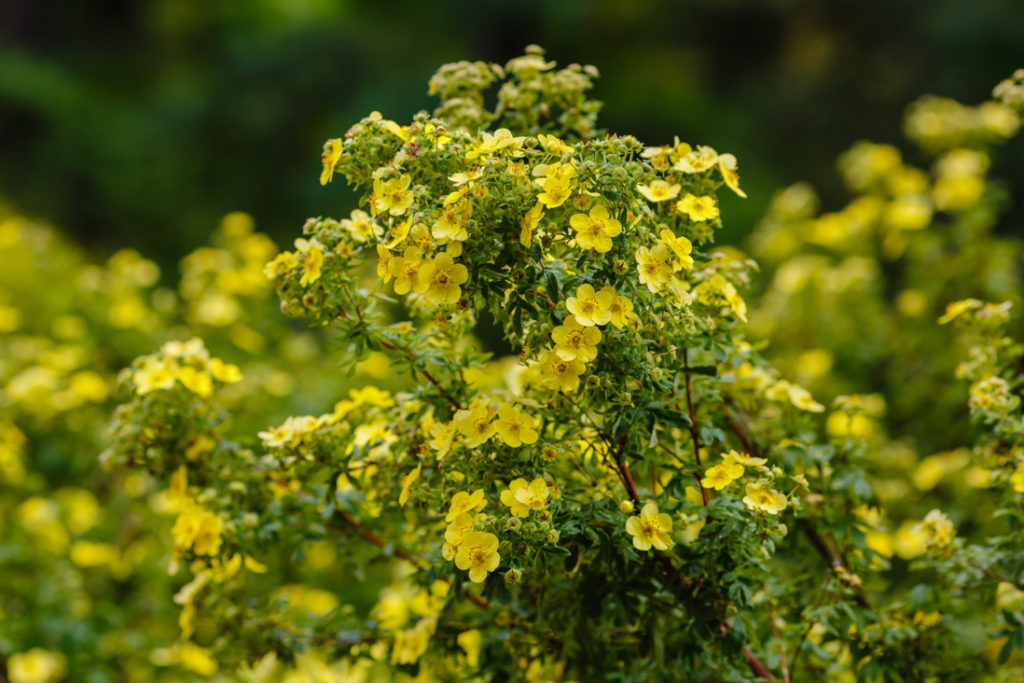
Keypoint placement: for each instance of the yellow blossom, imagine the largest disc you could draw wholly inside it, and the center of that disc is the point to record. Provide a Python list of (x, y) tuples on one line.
[(698, 160), (557, 185), (490, 144), (621, 309), (408, 271), (312, 263), (332, 152), (521, 497), (698, 208), (465, 502), (475, 423), (198, 529), (574, 341), (393, 195), (727, 167), (940, 528), (36, 666), (560, 374), (680, 248), (762, 497), (744, 459), (384, 257), (596, 230), (361, 226), (957, 308), (721, 475), (282, 263), (514, 427), (443, 434), (443, 278), (457, 529), (650, 528), (529, 221), (653, 267), (478, 553), (407, 481), (659, 190), (590, 307), (467, 176), (553, 145), (451, 223)]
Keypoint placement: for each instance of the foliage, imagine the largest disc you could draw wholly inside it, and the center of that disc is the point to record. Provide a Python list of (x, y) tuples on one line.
[(639, 493)]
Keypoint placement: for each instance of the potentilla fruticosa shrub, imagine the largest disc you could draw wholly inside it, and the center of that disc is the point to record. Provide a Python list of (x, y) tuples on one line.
[(634, 495)]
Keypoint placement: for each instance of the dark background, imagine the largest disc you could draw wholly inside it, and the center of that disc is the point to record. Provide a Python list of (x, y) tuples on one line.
[(139, 123)]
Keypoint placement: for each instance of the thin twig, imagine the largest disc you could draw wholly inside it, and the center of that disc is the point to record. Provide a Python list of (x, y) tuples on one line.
[(694, 433)]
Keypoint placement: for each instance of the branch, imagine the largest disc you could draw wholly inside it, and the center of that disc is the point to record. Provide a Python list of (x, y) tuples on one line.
[(368, 535), (694, 433), (830, 552)]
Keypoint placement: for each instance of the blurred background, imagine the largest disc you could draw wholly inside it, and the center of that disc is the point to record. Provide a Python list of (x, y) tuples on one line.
[(139, 124)]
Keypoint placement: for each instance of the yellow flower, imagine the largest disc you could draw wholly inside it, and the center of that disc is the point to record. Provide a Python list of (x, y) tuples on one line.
[(553, 145), (407, 482), (198, 529), (680, 248), (744, 459), (521, 497), (650, 528), (698, 160), (399, 233), (312, 263), (443, 278), (574, 341), (490, 144), (698, 208), (561, 375), (36, 666), (802, 399), (727, 167), (621, 309), (456, 531), (393, 195), (361, 226), (595, 231), (463, 502), (957, 308), (659, 190), (590, 307), (443, 434), (478, 553), (515, 427), (466, 176), (475, 423), (940, 527), (721, 475), (407, 271), (528, 222), (451, 224), (332, 152), (764, 498), (557, 185), (282, 263), (384, 262), (653, 267)]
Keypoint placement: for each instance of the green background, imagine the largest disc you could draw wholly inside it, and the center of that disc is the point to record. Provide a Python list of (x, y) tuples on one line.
[(139, 123)]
